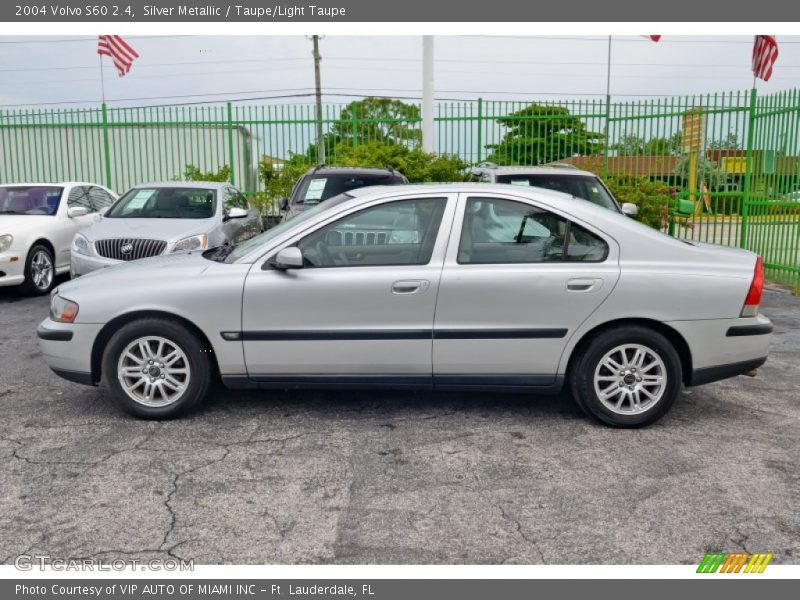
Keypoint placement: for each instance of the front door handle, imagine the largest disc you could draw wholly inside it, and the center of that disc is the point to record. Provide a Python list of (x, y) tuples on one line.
[(584, 285), (410, 286)]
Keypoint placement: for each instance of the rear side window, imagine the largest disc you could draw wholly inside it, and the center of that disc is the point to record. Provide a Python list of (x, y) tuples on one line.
[(498, 231)]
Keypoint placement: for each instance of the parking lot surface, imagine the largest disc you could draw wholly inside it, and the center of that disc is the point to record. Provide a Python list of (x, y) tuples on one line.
[(396, 477)]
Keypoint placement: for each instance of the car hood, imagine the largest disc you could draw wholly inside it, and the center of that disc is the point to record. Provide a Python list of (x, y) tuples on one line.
[(172, 266), (19, 223), (170, 230)]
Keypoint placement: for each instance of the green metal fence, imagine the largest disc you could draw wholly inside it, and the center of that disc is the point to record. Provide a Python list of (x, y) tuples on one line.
[(721, 168)]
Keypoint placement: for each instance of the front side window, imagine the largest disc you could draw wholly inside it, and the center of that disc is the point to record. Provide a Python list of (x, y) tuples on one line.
[(99, 199), (234, 199), (165, 203), (30, 200), (79, 196), (396, 233), (504, 231)]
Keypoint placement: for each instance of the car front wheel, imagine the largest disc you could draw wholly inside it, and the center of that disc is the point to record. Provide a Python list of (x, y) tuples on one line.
[(156, 368), (627, 377), (40, 271)]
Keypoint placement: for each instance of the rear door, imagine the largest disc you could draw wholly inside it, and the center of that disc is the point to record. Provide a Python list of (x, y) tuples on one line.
[(517, 281)]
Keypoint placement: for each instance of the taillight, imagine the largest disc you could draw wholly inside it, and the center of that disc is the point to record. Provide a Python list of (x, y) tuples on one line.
[(750, 308)]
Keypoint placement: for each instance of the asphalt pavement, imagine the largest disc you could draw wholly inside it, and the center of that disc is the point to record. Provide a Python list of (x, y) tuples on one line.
[(396, 477)]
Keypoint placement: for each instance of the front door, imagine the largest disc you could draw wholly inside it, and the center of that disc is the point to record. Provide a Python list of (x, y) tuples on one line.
[(517, 281), (361, 309)]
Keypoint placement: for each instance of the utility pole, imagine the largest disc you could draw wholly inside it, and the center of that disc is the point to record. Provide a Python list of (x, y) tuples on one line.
[(427, 93), (318, 86)]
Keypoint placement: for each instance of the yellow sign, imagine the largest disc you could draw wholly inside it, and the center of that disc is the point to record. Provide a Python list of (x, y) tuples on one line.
[(693, 133), (734, 164)]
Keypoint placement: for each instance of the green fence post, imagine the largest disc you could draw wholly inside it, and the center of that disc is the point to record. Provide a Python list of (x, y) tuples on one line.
[(106, 145), (606, 133), (748, 167), (480, 130), (230, 142), (354, 124)]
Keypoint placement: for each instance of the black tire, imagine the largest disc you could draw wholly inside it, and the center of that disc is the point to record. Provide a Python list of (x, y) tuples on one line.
[(30, 286), (582, 376), (197, 360)]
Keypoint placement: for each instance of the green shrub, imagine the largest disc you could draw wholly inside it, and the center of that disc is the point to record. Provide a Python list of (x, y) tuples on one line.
[(652, 198), (416, 165), (193, 173)]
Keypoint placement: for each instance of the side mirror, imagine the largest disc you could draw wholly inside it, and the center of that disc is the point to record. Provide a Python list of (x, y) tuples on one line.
[(77, 211), (630, 209), (236, 213), (283, 203), (287, 258)]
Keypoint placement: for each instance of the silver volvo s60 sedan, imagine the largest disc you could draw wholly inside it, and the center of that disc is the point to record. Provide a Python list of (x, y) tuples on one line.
[(454, 286)]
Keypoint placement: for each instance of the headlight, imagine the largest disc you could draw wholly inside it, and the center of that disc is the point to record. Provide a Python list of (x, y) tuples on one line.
[(5, 241), (196, 242), (62, 310), (80, 245)]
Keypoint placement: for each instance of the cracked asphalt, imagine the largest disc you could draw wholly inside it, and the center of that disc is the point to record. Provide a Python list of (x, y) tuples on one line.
[(396, 477)]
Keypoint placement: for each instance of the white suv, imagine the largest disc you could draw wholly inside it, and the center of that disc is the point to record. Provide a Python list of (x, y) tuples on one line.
[(559, 177)]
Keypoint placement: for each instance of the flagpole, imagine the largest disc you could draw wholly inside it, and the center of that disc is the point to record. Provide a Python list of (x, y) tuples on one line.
[(102, 80)]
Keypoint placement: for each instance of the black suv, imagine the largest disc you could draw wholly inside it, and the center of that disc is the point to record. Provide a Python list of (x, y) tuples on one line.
[(321, 183)]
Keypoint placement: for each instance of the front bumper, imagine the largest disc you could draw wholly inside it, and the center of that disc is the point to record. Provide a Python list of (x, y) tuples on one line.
[(67, 348), (12, 268), (81, 264)]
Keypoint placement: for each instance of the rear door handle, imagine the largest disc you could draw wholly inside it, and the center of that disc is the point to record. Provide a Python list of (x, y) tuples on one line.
[(410, 286), (584, 285)]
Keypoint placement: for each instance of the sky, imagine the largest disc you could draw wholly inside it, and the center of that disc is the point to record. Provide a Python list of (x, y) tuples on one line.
[(64, 70)]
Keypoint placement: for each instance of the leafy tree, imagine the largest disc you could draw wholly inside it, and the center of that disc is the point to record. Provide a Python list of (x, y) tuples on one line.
[(729, 142), (630, 145), (670, 146), (540, 133), (193, 173), (416, 165)]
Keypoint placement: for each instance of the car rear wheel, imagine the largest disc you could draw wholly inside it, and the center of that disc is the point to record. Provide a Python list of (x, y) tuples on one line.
[(627, 377), (40, 271), (156, 369)]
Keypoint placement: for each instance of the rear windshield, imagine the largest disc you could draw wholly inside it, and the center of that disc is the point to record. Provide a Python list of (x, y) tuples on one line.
[(165, 203), (314, 189), (30, 200), (581, 186)]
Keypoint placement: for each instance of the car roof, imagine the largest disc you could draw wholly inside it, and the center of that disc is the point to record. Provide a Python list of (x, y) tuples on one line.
[(184, 184), (545, 195), (44, 183), (543, 170), (322, 170)]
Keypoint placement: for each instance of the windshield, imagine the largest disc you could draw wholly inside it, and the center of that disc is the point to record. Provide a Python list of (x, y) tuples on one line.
[(30, 200), (231, 254), (581, 186), (314, 189), (165, 203)]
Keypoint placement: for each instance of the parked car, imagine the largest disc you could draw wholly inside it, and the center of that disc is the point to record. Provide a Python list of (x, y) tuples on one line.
[(321, 183), (163, 218), (37, 224), (455, 286), (564, 178)]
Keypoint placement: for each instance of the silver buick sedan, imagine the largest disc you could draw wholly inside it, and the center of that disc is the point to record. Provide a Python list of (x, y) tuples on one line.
[(456, 286)]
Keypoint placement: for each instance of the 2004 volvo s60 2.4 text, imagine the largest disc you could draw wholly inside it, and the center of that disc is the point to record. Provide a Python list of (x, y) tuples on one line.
[(452, 286)]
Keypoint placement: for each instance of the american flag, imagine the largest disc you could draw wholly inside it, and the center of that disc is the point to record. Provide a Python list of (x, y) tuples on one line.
[(118, 49), (765, 53)]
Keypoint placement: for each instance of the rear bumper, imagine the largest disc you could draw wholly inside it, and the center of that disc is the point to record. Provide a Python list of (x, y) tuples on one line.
[(722, 348), (719, 372)]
